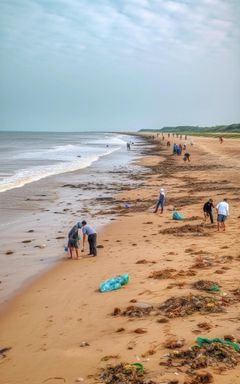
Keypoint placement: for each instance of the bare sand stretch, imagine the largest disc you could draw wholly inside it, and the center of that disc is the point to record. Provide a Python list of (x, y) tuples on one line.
[(62, 330)]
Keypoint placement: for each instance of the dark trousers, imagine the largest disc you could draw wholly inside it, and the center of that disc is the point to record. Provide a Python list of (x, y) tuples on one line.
[(92, 239), (210, 214)]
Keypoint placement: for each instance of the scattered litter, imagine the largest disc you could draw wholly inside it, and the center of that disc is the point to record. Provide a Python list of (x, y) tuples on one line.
[(140, 330), (120, 330), (124, 373), (9, 252), (113, 283), (173, 343), (196, 357), (108, 357), (4, 350), (202, 340), (204, 325), (186, 305), (206, 285), (201, 378), (144, 261), (202, 262), (177, 216), (79, 379), (84, 344), (100, 246)]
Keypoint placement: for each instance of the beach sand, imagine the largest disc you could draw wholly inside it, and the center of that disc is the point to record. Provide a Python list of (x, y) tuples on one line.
[(61, 329)]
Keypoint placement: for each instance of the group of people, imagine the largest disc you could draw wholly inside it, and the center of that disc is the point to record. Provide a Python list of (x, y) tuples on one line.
[(222, 209), (74, 239)]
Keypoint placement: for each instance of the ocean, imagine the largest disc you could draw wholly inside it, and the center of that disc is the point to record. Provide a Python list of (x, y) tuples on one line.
[(26, 157), (50, 181)]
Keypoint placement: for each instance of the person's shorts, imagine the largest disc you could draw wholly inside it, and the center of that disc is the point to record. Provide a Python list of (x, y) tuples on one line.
[(73, 243), (221, 218)]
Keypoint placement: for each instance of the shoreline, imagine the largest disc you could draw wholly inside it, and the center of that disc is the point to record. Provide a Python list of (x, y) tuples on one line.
[(46, 325), (33, 238)]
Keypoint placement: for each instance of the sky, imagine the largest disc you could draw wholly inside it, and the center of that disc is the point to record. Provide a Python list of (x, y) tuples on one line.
[(118, 65)]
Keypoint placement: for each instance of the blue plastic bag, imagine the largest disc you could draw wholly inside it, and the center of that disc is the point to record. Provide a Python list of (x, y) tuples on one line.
[(113, 283), (177, 216)]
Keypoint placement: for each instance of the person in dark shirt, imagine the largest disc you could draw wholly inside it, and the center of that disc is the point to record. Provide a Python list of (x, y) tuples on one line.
[(207, 210)]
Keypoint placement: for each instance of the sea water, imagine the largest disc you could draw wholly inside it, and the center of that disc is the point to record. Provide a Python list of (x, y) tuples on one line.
[(26, 157)]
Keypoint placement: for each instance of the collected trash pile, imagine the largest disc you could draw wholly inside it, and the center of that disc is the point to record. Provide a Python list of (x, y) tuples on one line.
[(206, 285), (207, 352), (124, 373), (114, 283), (197, 229), (186, 305), (137, 310)]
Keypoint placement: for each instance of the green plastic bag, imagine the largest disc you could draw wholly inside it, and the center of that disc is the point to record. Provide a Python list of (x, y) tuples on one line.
[(202, 340)]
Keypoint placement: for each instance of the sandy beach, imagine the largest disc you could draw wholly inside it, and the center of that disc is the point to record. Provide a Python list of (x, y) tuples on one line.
[(61, 329)]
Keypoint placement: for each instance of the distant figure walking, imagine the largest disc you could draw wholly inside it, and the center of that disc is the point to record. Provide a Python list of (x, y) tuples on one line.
[(161, 201), (73, 240), (220, 140), (207, 210), (223, 212), (88, 231), (128, 146)]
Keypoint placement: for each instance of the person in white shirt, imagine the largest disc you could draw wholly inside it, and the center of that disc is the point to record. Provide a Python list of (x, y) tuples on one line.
[(223, 212)]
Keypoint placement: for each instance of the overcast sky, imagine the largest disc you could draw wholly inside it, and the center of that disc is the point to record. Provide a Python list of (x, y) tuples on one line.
[(118, 64)]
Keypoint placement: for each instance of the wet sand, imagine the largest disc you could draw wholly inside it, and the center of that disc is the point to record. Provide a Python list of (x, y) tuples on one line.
[(49, 326)]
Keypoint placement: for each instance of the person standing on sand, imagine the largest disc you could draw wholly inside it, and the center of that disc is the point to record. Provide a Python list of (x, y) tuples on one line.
[(88, 231), (73, 240), (223, 212), (161, 201), (207, 210)]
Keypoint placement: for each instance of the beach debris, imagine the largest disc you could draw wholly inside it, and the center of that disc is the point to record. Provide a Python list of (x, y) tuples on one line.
[(54, 378), (201, 378), (31, 230), (203, 340), (162, 320), (173, 381), (124, 373), (202, 262), (9, 252), (173, 343), (150, 352), (84, 344), (140, 330), (40, 246), (120, 330), (206, 285), (196, 357), (177, 216), (26, 241), (4, 350), (204, 325), (60, 237), (109, 357), (230, 338), (100, 246), (187, 305), (144, 261), (79, 379), (113, 283), (138, 310), (196, 229), (162, 274)]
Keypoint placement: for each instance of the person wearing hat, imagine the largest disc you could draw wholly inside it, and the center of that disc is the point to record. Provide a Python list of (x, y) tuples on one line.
[(73, 240), (161, 201)]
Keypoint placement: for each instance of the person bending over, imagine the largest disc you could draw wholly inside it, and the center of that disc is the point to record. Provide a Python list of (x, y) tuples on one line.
[(88, 231), (73, 240), (207, 210)]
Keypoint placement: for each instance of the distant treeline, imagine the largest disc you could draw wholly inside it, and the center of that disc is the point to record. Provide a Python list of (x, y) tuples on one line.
[(197, 129)]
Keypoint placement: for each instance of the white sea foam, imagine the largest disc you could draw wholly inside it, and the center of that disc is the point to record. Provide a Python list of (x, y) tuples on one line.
[(62, 158)]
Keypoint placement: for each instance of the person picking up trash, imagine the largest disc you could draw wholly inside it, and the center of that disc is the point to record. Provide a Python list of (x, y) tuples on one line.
[(161, 201), (90, 232), (73, 240)]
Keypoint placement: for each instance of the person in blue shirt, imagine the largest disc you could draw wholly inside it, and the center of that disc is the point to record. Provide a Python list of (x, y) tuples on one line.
[(88, 231)]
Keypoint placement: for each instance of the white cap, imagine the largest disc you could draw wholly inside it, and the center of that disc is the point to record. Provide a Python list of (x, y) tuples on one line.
[(161, 190)]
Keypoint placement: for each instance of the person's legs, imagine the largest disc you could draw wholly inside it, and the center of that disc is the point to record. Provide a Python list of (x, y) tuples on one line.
[(94, 244), (211, 217), (76, 250), (90, 244), (70, 252), (157, 206)]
